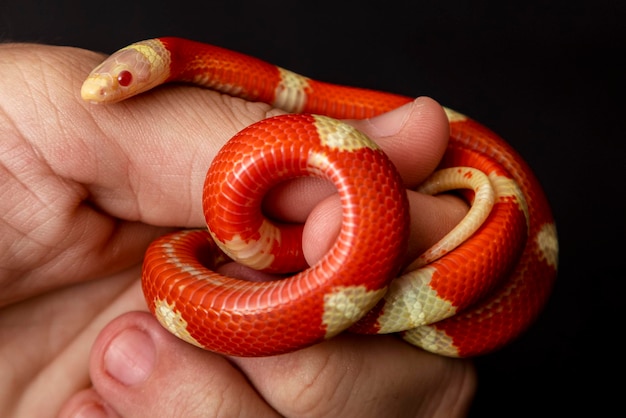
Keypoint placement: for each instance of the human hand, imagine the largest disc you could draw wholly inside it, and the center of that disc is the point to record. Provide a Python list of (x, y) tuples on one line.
[(86, 188)]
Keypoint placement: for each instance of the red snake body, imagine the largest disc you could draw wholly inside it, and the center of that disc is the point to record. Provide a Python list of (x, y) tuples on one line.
[(472, 293)]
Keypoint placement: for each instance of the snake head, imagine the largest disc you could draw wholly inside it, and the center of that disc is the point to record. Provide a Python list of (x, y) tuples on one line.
[(127, 72)]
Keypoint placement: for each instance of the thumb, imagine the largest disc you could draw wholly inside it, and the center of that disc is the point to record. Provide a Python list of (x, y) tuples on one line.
[(415, 137)]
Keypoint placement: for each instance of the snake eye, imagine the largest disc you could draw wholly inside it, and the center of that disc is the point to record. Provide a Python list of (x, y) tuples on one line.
[(124, 78)]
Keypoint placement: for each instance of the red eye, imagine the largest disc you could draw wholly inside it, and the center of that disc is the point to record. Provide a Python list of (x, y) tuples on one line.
[(124, 78)]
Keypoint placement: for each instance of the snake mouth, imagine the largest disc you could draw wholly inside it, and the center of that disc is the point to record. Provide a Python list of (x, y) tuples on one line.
[(98, 89)]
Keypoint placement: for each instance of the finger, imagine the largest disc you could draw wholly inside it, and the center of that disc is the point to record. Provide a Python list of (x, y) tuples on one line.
[(85, 404), (144, 159), (362, 376), (415, 137), (139, 369), (431, 219)]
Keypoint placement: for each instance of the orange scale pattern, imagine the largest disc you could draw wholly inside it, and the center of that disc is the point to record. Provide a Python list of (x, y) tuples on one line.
[(517, 243)]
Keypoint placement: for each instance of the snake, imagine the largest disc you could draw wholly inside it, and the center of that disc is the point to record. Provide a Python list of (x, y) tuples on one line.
[(475, 291)]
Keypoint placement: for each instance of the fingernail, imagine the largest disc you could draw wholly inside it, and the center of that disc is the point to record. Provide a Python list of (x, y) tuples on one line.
[(91, 410), (390, 123), (130, 357)]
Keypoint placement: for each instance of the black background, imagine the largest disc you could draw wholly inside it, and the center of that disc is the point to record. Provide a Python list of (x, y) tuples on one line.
[(546, 75)]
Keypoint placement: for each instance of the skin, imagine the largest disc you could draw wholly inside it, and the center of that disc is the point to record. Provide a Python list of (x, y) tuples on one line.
[(82, 197)]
